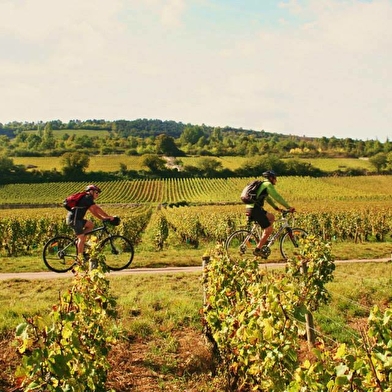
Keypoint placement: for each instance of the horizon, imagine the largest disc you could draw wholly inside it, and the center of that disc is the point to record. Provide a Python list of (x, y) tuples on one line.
[(207, 125)]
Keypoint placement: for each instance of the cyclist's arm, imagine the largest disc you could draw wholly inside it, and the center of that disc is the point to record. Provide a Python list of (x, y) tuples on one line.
[(273, 194), (99, 213), (271, 203)]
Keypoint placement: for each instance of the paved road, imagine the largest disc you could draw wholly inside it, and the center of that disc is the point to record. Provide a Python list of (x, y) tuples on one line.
[(166, 270)]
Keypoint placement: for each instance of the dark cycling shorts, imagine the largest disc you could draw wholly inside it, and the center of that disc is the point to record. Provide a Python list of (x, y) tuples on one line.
[(260, 216), (78, 226)]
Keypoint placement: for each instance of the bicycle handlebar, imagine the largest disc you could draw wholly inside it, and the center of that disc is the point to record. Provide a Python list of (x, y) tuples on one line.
[(115, 222)]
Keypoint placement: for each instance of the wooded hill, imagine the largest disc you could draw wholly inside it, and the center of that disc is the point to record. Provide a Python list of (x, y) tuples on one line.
[(142, 136)]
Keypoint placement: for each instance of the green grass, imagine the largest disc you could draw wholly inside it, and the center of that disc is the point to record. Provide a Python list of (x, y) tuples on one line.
[(148, 304), (151, 304), (104, 163), (111, 163), (59, 133), (355, 290), (343, 164), (181, 256)]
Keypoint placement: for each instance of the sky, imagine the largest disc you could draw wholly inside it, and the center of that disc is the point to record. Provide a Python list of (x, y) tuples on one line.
[(301, 67)]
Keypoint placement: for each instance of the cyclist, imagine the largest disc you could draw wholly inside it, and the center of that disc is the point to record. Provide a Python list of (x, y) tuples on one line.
[(76, 217), (256, 212)]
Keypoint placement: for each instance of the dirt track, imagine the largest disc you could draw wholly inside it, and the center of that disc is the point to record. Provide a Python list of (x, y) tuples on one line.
[(166, 270)]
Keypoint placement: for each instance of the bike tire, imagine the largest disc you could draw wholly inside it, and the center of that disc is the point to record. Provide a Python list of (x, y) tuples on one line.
[(235, 245), (60, 254), (290, 241), (118, 252)]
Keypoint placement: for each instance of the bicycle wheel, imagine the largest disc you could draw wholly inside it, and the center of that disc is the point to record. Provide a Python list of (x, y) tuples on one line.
[(241, 243), (290, 241), (118, 252), (60, 254)]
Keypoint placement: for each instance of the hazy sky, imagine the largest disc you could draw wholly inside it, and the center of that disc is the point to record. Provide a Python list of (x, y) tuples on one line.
[(302, 67)]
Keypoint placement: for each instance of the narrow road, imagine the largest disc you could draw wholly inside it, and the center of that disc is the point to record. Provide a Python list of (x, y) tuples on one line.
[(165, 270)]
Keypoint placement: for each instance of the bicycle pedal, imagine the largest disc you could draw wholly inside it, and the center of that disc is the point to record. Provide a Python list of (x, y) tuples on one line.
[(265, 251)]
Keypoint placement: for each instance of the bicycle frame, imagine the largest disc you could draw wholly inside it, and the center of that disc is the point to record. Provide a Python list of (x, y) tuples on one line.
[(246, 239), (254, 228), (60, 253), (102, 228)]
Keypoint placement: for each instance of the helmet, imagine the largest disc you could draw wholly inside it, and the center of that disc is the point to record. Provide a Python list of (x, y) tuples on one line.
[(269, 174), (92, 187)]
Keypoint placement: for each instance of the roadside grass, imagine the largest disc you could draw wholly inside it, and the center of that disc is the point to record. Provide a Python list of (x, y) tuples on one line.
[(355, 290), (151, 303), (177, 255)]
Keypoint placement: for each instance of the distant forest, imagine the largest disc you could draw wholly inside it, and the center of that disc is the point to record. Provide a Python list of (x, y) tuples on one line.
[(77, 140)]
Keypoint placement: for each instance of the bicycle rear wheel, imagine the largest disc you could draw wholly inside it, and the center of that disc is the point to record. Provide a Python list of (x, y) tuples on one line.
[(60, 254), (118, 252), (290, 241), (241, 243)]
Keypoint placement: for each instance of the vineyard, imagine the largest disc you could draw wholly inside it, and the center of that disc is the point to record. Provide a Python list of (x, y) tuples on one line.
[(198, 212), (304, 192), (258, 341)]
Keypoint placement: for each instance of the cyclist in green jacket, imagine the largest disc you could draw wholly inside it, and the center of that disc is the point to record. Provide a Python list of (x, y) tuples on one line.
[(256, 212)]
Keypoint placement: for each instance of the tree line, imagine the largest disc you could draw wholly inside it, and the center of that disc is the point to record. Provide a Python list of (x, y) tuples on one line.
[(154, 139), (143, 136)]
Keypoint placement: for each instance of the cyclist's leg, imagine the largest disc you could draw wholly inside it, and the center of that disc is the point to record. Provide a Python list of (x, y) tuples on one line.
[(82, 226), (265, 220)]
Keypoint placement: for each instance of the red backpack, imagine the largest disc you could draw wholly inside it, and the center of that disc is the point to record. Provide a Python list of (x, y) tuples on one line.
[(72, 201)]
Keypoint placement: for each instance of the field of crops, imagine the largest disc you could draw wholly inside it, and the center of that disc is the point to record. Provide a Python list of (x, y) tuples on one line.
[(198, 211), (304, 193)]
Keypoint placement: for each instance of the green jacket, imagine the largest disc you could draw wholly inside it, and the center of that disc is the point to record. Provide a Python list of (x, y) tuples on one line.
[(271, 195)]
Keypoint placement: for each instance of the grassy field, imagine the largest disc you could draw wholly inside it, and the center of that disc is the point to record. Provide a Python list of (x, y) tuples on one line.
[(59, 133), (111, 163), (329, 164), (105, 163)]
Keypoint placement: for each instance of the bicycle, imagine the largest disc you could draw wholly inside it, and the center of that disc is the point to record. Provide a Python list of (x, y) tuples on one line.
[(243, 241), (60, 252)]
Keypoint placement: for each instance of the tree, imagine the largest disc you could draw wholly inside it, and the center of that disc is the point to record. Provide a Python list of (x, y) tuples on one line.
[(48, 140), (6, 164), (379, 161), (153, 162), (75, 163), (191, 134), (389, 161), (209, 166), (166, 145), (33, 141)]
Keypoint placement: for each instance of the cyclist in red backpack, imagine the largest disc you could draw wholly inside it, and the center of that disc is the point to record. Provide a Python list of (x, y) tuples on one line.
[(256, 212), (76, 217)]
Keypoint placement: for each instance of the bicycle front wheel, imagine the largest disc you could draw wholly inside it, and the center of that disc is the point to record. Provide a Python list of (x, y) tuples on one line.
[(241, 243), (118, 252), (290, 241), (60, 254)]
